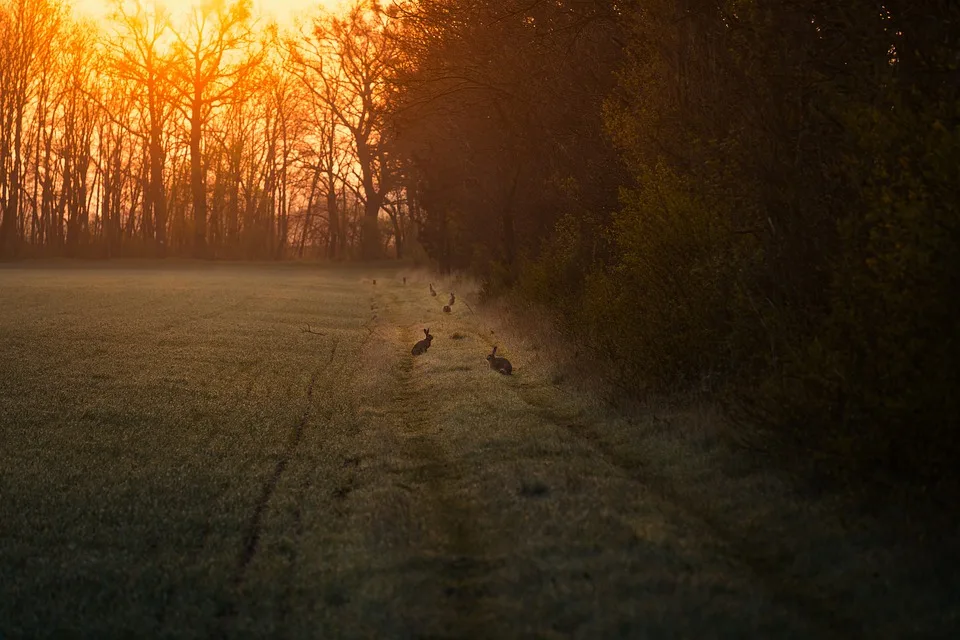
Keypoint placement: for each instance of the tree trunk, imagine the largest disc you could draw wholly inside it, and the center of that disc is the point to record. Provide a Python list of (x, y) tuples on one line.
[(11, 214), (197, 185), (370, 248), (157, 192), (333, 219)]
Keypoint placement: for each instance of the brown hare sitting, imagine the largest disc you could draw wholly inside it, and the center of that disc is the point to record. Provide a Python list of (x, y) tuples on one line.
[(421, 347), (453, 299), (501, 365), (432, 292)]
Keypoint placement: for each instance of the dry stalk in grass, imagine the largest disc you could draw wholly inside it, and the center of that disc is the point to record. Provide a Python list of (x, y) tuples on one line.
[(307, 329)]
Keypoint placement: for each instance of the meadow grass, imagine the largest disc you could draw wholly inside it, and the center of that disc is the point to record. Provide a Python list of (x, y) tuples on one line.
[(179, 458)]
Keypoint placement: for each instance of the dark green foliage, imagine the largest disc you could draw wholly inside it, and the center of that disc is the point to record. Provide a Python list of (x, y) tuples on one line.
[(891, 338), (788, 216)]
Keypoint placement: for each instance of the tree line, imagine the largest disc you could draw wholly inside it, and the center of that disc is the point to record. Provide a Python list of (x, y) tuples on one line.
[(755, 199), (211, 134)]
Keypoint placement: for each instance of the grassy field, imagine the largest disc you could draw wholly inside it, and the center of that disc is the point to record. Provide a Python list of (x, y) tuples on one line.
[(179, 458)]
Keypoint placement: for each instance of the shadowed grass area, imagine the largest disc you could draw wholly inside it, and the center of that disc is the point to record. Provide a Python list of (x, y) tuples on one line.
[(143, 412), (180, 458)]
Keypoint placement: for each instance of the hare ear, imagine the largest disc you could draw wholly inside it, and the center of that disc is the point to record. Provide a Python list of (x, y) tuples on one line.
[(494, 350)]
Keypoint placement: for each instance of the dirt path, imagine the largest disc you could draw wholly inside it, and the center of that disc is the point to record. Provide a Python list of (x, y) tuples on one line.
[(472, 505), (491, 506)]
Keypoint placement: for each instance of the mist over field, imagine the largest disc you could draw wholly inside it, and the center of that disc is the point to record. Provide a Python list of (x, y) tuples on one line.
[(201, 450)]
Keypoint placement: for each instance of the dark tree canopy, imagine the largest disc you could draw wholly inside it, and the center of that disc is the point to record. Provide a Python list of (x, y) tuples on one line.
[(753, 198)]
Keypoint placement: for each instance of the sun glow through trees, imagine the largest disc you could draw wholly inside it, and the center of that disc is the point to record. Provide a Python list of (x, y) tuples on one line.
[(284, 11), (210, 128)]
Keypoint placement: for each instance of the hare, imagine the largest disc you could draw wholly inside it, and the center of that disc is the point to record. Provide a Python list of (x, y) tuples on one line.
[(453, 299), (421, 347), (501, 365), (432, 292), (446, 308)]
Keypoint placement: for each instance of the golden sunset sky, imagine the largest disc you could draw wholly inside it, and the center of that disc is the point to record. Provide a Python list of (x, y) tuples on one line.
[(283, 10)]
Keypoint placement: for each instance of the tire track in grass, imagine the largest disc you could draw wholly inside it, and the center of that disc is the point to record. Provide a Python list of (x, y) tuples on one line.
[(292, 553), (757, 563), (421, 443), (758, 566), (251, 539)]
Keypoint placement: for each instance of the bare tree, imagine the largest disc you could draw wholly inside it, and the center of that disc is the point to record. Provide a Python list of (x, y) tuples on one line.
[(27, 29), (217, 50), (141, 56), (325, 153), (345, 63)]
